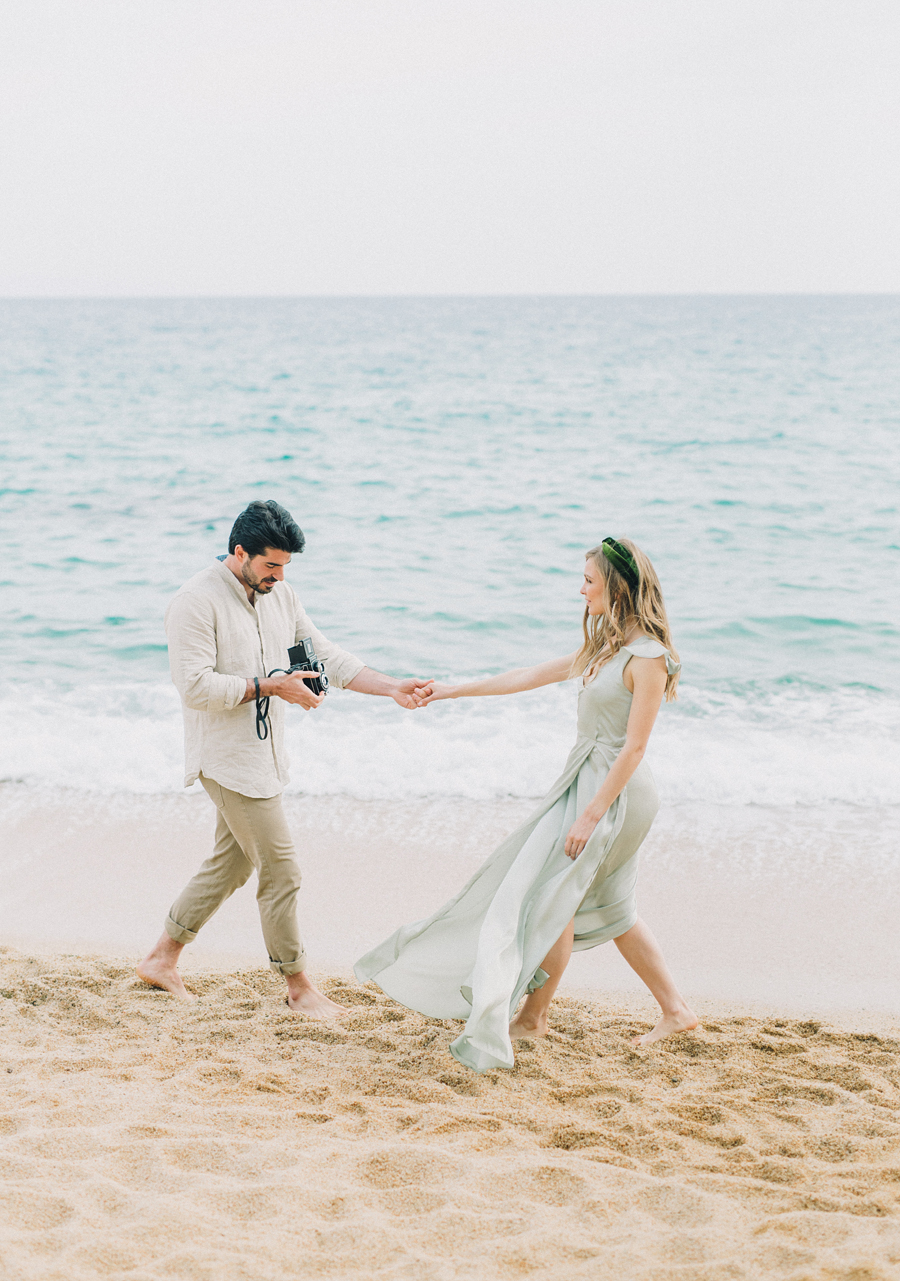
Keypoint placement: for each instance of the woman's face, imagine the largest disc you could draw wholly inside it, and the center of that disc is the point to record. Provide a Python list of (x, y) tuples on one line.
[(593, 589)]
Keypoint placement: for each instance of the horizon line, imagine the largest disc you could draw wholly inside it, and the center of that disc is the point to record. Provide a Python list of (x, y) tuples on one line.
[(375, 297)]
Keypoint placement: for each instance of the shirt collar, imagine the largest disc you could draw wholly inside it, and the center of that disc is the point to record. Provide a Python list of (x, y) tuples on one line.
[(233, 583)]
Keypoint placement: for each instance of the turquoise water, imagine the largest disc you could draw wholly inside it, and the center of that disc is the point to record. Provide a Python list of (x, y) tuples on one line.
[(449, 461)]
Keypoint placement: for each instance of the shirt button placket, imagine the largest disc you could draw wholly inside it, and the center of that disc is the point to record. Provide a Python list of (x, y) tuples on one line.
[(262, 659)]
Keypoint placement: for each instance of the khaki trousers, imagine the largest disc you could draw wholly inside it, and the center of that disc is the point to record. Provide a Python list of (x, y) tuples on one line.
[(251, 832)]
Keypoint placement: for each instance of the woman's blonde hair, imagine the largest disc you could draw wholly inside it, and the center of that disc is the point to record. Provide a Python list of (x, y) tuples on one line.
[(626, 605)]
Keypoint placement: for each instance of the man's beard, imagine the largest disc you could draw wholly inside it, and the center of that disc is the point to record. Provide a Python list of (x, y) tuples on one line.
[(256, 584)]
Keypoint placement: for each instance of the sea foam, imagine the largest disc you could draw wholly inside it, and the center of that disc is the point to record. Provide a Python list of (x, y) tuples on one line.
[(799, 746)]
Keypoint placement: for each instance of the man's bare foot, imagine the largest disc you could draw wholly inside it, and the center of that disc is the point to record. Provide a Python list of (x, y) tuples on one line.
[(161, 974), (305, 998), (159, 968), (526, 1029), (682, 1021)]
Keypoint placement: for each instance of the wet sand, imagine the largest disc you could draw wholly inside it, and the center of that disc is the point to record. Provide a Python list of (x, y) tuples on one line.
[(791, 907), (145, 1139)]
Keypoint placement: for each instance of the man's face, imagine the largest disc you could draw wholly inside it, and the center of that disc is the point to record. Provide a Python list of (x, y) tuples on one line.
[(261, 573)]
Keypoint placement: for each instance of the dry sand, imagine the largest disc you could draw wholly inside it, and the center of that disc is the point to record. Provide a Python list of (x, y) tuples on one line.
[(142, 1138)]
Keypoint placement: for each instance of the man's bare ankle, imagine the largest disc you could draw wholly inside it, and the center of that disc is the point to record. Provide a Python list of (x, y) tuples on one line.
[(300, 982), (165, 950), (164, 975)]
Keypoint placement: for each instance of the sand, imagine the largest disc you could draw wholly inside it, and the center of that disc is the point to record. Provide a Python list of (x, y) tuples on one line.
[(143, 1138), (753, 904)]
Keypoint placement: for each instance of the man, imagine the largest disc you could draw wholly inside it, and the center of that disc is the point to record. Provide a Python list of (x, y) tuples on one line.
[(227, 627)]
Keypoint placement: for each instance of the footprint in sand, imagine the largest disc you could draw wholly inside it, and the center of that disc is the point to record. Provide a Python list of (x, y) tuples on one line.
[(313, 1118), (607, 1108), (296, 1030), (571, 1137), (704, 1114), (547, 1184), (411, 1200), (831, 1148), (380, 1044), (403, 1167), (60, 1145), (315, 1093), (201, 1156), (812, 1227), (477, 1124), (33, 1212), (248, 1204), (464, 1085), (675, 1206)]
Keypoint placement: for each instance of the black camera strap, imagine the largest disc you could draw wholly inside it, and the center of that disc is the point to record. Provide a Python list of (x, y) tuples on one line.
[(306, 652), (262, 707)]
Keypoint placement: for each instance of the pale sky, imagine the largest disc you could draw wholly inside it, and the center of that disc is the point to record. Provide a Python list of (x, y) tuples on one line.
[(229, 147)]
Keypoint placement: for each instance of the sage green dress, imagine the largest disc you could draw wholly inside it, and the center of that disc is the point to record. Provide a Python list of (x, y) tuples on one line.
[(476, 957)]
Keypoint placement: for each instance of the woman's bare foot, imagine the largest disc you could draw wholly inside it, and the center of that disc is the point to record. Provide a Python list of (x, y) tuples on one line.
[(523, 1028), (159, 968), (305, 998), (683, 1020)]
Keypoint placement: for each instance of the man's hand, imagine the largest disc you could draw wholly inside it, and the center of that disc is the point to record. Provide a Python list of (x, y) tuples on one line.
[(412, 693), (293, 689)]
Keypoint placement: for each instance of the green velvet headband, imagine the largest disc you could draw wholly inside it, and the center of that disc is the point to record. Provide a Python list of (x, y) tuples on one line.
[(622, 560)]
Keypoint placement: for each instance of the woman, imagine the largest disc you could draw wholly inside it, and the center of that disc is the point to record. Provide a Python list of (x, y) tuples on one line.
[(566, 877)]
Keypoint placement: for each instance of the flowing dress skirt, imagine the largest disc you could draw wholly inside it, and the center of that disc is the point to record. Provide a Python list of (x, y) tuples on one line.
[(476, 957)]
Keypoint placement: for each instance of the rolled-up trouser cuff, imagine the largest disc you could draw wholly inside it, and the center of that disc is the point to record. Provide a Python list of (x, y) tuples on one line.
[(290, 967), (180, 933)]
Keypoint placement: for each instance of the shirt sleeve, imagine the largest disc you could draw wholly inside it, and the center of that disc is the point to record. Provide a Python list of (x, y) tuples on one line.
[(191, 634), (340, 665)]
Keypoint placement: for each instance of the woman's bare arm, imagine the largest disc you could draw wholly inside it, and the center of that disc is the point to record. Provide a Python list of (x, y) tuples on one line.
[(514, 682), (649, 676)]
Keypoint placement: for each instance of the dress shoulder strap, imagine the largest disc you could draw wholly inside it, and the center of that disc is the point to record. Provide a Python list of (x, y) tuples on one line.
[(647, 647)]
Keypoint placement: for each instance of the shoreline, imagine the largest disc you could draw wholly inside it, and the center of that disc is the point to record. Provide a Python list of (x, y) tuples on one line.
[(786, 908), (144, 1138)]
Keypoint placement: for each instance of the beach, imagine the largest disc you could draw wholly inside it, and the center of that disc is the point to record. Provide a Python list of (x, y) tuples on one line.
[(778, 905), (450, 461), (146, 1138), (229, 1138), (463, 348)]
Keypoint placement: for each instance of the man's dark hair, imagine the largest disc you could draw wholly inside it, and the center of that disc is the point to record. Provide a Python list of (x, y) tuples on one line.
[(261, 525)]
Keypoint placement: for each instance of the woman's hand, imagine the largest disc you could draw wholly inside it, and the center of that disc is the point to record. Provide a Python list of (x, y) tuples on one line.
[(439, 690), (411, 693), (581, 832)]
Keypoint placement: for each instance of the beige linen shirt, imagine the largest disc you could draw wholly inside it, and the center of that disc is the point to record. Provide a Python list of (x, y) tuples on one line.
[(217, 639)]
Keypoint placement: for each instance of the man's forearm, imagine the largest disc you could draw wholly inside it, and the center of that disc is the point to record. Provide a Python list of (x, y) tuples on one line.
[(266, 687), (369, 681)]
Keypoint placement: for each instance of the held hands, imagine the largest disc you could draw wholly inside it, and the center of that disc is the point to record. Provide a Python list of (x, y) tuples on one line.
[(412, 693), (581, 832), (436, 692)]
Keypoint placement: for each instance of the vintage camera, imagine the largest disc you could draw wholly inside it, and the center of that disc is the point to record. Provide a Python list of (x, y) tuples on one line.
[(303, 659)]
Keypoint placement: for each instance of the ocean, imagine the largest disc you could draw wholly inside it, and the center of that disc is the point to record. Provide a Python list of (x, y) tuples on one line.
[(450, 460)]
